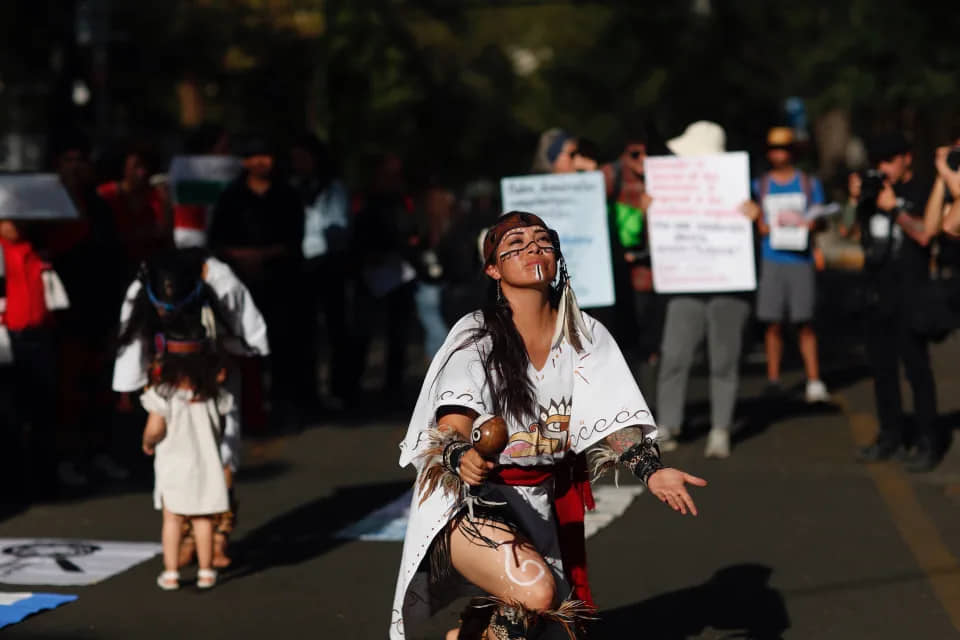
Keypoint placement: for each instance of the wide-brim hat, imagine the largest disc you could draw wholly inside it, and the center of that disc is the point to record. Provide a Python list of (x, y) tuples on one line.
[(700, 138)]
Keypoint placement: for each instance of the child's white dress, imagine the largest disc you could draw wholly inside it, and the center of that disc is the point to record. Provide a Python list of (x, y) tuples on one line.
[(187, 465)]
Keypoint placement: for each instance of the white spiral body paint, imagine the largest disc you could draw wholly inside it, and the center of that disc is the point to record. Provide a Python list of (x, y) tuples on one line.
[(541, 570), (539, 272)]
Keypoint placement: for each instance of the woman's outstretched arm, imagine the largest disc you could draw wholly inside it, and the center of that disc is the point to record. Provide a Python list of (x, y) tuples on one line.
[(641, 455)]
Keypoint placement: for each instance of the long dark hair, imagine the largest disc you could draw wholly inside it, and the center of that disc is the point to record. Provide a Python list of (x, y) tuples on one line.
[(506, 363), (169, 308)]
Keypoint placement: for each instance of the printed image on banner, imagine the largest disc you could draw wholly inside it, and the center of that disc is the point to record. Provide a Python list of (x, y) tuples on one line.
[(575, 204), (700, 241), (63, 562), (14, 607)]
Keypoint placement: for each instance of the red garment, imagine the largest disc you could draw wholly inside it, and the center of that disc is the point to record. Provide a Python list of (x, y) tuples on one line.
[(142, 230), (26, 303), (572, 497)]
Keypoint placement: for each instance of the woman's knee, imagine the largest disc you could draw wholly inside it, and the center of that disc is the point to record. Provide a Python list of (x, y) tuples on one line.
[(541, 595)]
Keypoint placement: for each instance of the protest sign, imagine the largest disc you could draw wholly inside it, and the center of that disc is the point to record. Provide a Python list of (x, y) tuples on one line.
[(700, 242), (575, 205), (34, 196)]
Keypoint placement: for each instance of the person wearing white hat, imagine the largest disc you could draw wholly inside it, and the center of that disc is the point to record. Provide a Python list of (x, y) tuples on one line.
[(691, 318)]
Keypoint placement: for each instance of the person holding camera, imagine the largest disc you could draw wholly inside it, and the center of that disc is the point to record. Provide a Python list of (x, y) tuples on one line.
[(896, 264)]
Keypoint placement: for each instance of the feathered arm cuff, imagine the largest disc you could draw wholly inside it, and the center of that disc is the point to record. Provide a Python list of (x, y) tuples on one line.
[(627, 447), (441, 462)]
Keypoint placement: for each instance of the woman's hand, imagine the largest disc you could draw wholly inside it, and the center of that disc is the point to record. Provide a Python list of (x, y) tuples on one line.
[(750, 209), (148, 447), (474, 469), (668, 485)]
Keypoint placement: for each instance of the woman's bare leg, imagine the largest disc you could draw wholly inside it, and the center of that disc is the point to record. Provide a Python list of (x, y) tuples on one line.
[(170, 538), (203, 534), (515, 571)]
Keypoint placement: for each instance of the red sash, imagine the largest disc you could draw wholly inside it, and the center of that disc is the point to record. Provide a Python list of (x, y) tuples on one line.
[(572, 496)]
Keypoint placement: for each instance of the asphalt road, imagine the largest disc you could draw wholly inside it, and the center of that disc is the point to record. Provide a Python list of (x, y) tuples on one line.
[(794, 539)]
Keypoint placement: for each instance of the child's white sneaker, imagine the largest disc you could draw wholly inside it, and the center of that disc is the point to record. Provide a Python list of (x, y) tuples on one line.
[(169, 580), (817, 392), (718, 444), (206, 578)]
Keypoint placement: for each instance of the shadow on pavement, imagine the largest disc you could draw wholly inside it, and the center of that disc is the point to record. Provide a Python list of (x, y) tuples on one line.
[(308, 531), (737, 600)]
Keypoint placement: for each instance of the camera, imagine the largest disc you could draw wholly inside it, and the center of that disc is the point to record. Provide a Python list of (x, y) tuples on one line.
[(953, 158), (872, 181)]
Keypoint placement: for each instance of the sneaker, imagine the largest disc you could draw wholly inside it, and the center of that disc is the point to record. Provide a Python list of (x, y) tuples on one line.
[(718, 444), (817, 392), (878, 452), (922, 459), (69, 476), (109, 467)]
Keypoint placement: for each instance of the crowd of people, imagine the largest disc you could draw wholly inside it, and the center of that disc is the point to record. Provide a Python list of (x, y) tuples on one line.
[(301, 270)]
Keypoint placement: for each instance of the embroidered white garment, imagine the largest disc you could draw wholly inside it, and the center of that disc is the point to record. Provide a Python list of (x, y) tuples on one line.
[(581, 398)]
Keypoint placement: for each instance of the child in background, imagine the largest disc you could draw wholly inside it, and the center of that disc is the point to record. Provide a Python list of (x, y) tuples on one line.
[(185, 402)]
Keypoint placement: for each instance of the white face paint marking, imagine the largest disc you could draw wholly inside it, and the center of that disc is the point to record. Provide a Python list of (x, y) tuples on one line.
[(507, 556), (539, 273)]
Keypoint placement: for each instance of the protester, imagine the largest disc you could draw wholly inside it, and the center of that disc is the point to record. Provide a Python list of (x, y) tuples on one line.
[(639, 310), (87, 254), (326, 240), (528, 355), (689, 318), (139, 210), (257, 229), (459, 253), (185, 401), (28, 321), (436, 216), (385, 239), (555, 152), (896, 264), (787, 289), (586, 156)]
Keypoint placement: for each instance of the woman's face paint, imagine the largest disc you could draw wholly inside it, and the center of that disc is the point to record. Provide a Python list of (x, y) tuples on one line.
[(539, 272), (518, 242)]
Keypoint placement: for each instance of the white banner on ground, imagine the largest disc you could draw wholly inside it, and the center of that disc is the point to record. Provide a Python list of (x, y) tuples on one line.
[(700, 242), (575, 204), (62, 562), (389, 522), (34, 196)]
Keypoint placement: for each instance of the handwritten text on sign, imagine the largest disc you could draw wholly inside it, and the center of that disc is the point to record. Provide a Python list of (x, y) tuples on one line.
[(575, 205), (700, 242)]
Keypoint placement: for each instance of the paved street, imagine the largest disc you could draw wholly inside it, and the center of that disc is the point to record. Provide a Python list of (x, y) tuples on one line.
[(794, 538)]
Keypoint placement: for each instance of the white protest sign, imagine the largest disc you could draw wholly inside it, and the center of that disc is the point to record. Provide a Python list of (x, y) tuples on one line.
[(34, 196), (63, 562), (575, 205), (788, 226), (700, 242)]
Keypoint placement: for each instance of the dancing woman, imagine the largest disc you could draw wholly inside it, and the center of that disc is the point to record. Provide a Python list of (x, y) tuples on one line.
[(512, 527)]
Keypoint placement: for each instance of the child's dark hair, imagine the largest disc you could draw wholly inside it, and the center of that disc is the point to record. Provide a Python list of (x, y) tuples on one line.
[(176, 317), (186, 354)]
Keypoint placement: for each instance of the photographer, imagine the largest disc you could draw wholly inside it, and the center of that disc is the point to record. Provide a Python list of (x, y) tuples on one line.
[(896, 264), (941, 212)]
